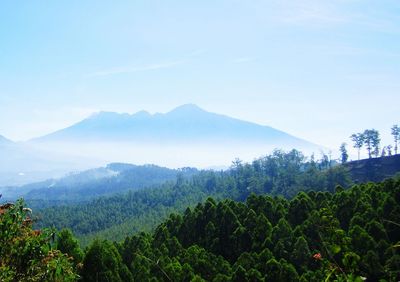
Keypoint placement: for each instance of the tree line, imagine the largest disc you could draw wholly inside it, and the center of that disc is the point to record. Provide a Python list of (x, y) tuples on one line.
[(371, 140)]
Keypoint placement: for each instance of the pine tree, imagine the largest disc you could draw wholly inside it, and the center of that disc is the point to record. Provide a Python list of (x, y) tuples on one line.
[(358, 140), (344, 154)]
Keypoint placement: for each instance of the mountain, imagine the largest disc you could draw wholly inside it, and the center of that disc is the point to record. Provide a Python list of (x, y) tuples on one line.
[(22, 163), (16, 163), (183, 125), (5, 141), (185, 136), (82, 186)]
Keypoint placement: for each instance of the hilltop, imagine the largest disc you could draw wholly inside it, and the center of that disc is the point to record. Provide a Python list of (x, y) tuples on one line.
[(374, 169)]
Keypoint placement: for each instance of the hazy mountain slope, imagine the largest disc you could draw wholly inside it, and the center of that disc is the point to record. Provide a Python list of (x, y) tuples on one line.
[(4, 141), (187, 123), (20, 164), (82, 186), (185, 136)]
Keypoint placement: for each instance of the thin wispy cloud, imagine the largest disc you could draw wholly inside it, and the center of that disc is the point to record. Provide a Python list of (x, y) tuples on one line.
[(385, 24), (349, 50), (331, 13), (309, 11), (373, 77), (133, 69)]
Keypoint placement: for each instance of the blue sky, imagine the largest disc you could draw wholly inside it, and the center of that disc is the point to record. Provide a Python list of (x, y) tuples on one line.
[(320, 70)]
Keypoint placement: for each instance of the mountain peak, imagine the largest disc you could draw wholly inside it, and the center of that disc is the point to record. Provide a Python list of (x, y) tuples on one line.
[(105, 115), (141, 114), (187, 108)]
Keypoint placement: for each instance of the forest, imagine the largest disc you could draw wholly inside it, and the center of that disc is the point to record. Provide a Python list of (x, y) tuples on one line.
[(282, 217), (281, 173), (342, 235)]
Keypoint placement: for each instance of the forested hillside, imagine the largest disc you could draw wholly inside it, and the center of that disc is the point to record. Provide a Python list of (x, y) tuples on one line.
[(374, 169), (83, 186), (115, 217), (349, 235), (280, 218)]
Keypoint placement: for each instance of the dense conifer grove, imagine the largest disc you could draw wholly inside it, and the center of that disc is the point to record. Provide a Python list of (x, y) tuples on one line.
[(349, 235), (280, 218)]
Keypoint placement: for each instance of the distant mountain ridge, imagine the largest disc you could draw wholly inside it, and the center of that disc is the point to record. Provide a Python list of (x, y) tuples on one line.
[(22, 163), (185, 124), (5, 141), (81, 186), (187, 136)]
